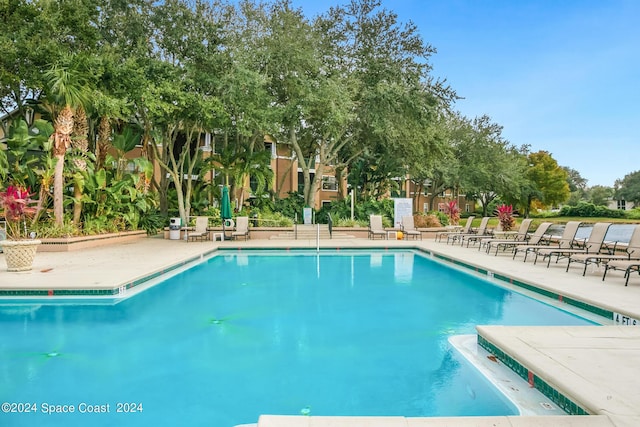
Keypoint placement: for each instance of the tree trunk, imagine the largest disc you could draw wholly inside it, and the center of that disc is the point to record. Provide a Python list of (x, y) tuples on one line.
[(58, 194)]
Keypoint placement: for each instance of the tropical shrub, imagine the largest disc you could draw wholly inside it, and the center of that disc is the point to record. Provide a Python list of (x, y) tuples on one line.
[(361, 210), (427, 221), (17, 207), (291, 206), (633, 213), (453, 212), (505, 217), (152, 221), (48, 228), (270, 219), (442, 217), (348, 222)]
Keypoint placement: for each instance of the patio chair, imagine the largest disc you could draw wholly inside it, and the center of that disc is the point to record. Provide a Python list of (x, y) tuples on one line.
[(521, 236), (465, 229), (632, 253), (200, 232), (242, 228), (376, 228), (409, 229), (593, 245), (566, 241), (480, 232), (534, 239), (628, 266)]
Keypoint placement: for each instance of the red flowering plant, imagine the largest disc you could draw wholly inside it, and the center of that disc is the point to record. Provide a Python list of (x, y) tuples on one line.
[(453, 212), (17, 206), (505, 216)]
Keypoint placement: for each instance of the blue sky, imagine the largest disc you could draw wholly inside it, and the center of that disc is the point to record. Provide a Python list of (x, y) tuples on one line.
[(562, 76)]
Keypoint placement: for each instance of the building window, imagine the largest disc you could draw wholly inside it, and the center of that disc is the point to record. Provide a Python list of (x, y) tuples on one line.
[(425, 207), (326, 203), (271, 148), (467, 207), (329, 183), (301, 181), (622, 205)]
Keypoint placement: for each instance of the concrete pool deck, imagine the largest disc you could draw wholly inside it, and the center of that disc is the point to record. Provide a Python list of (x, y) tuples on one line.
[(595, 367)]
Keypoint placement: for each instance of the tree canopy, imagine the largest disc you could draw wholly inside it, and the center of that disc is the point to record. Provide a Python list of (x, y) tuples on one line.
[(351, 89)]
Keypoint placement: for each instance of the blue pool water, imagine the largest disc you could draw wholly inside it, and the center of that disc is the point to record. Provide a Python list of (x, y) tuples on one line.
[(280, 333)]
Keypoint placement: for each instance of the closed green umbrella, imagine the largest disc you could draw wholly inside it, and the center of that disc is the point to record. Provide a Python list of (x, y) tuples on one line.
[(225, 207)]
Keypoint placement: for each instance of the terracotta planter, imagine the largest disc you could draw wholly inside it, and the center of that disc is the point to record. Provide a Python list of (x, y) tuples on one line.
[(19, 254)]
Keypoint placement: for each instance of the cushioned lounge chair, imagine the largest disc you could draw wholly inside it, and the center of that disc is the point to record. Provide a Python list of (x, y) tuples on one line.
[(632, 253), (465, 229), (200, 232), (409, 229), (534, 239), (242, 228), (521, 236), (628, 266), (593, 245), (376, 228), (476, 234), (566, 241)]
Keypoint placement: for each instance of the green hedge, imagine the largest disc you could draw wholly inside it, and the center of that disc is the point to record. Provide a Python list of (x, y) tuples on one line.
[(589, 210)]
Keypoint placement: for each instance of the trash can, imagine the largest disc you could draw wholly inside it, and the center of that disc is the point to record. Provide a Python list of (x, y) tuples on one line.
[(174, 229)]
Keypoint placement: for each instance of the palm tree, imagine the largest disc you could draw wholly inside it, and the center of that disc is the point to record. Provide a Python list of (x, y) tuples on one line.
[(80, 143), (64, 93)]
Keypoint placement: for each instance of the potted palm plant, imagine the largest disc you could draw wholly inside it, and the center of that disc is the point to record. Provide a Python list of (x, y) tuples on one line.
[(20, 246)]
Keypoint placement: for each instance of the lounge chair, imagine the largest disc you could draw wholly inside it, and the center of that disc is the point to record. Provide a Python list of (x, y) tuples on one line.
[(593, 245), (465, 229), (521, 236), (628, 266), (566, 241), (534, 239), (478, 233), (409, 229), (242, 228), (376, 228), (632, 253), (200, 232)]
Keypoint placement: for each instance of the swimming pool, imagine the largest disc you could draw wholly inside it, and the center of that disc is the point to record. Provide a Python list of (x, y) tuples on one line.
[(272, 332)]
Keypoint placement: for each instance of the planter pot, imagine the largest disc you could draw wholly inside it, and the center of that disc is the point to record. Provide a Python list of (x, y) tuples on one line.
[(19, 254)]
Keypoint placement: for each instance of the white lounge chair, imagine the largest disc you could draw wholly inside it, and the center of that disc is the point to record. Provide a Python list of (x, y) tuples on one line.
[(593, 245), (566, 241), (531, 240), (409, 229), (480, 232), (242, 228), (465, 229), (632, 253), (375, 227), (200, 232), (628, 266), (521, 236)]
